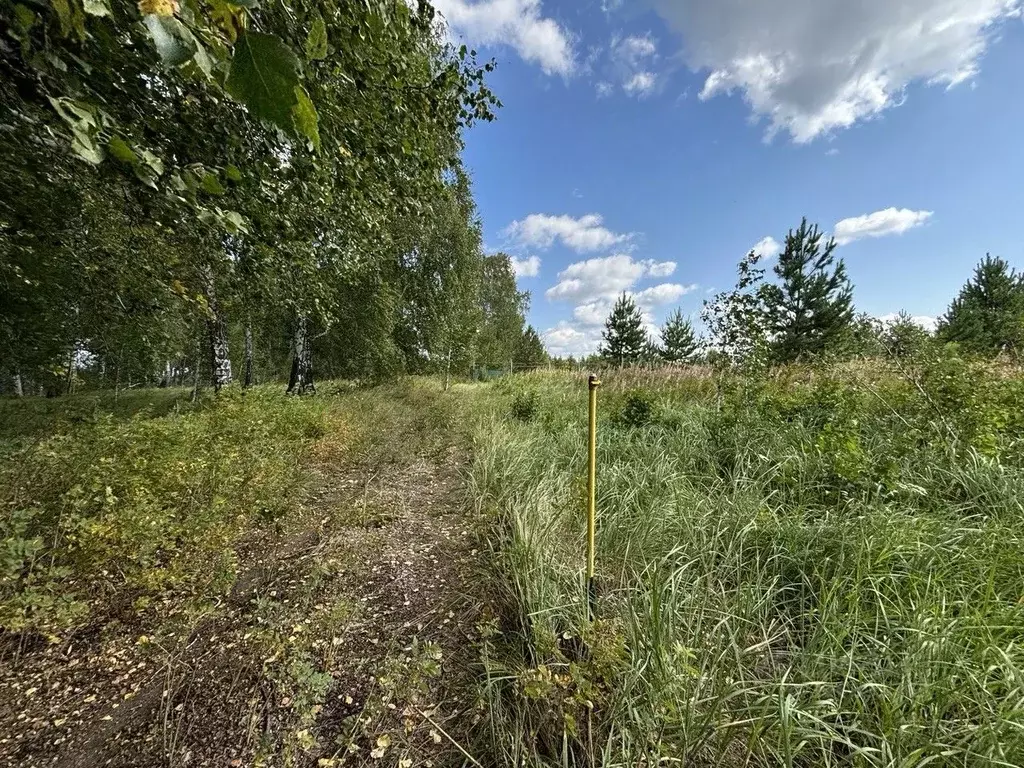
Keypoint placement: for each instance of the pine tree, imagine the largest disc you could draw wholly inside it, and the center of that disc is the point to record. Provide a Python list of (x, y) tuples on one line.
[(903, 337), (811, 306), (987, 316), (530, 352), (625, 340), (678, 342)]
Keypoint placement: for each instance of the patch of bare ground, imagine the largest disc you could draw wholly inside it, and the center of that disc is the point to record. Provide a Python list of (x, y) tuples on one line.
[(347, 638)]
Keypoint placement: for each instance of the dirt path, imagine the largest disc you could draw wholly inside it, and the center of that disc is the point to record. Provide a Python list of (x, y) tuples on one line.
[(349, 635)]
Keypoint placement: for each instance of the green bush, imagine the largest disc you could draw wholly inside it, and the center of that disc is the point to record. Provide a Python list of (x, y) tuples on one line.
[(524, 406), (638, 410)]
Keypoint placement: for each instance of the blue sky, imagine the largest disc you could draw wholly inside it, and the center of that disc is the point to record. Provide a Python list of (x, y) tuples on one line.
[(647, 147)]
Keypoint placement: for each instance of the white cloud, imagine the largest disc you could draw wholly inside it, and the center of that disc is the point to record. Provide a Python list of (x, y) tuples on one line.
[(767, 247), (604, 88), (660, 268), (813, 66), (890, 221), (566, 339), (604, 278), (636, 48), (632, 60), (640, 84), (517, 23), (927, 322), (831, 152), (592, 279), (663, 294), (595, 312), (583, 234), (528, 267)]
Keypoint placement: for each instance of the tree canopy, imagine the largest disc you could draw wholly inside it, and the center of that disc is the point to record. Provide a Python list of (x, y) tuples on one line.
[(987, 316), (189, 183)]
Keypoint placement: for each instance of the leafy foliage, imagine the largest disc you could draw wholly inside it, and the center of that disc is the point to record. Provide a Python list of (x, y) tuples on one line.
[(736, 319), (252, 172)]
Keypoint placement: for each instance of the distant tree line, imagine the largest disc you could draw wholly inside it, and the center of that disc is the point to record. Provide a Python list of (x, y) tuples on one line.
[(204, 194), (808, 312)]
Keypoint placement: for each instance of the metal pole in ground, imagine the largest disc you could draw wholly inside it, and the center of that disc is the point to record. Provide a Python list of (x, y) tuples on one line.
[(592, 384)]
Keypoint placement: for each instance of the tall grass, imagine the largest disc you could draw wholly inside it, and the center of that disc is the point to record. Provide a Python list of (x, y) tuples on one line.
[(802, 571)]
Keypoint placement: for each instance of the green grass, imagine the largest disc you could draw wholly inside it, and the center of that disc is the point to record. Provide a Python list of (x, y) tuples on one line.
[(818, 569), (822, 567)]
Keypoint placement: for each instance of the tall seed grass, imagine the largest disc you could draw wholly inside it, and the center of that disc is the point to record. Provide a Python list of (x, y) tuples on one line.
[(792, 575)]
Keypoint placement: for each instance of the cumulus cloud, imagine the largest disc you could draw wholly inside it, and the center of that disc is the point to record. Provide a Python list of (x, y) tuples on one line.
[(607, 277), (891, 221), (526, 267), (583, 335), (539, 230), (517, 23), (566, 339), (767, 247), (594, 285), (663, 294), (813, 66)]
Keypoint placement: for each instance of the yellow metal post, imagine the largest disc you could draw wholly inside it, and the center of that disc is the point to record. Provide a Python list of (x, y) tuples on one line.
[(593, 383)]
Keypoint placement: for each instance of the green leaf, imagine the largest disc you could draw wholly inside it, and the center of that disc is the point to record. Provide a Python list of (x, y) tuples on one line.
[(63, 10), (232, 173), (96, 7), (306, 118), (84, 145), (233, 221), (24, 16), (316, 43), (120, 150), (153, 161), (171, 39), (211, 185), (264, 75)]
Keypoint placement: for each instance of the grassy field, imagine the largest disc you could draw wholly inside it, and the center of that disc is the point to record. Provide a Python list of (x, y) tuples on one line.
[(815, 567)]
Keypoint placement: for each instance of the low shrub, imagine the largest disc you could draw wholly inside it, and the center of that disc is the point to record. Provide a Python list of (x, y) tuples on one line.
[(638, 410), (524, 406)]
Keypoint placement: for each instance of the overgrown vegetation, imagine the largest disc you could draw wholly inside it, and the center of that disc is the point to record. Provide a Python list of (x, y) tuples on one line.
[(817, 567), (143, 508)]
